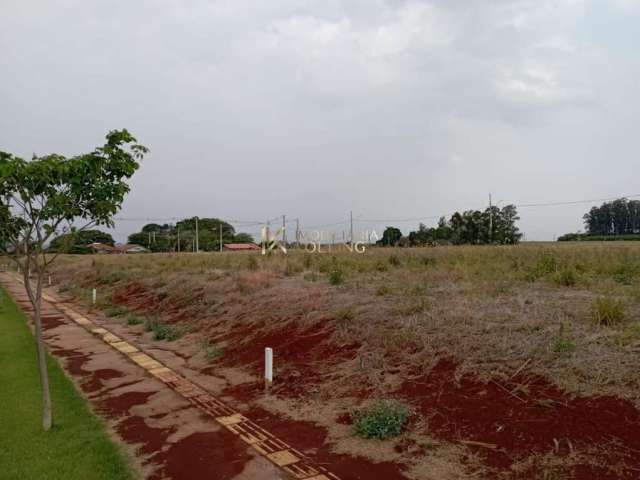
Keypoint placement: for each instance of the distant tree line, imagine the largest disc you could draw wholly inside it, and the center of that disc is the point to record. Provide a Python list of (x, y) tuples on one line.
[(491, 226), (158, 238), (182, 235), (615, 220)]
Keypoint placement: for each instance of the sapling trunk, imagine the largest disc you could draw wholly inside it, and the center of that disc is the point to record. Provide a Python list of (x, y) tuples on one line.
[(36, 302)]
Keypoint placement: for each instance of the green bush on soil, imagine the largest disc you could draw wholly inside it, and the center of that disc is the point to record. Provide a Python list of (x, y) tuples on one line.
[(385, 419)]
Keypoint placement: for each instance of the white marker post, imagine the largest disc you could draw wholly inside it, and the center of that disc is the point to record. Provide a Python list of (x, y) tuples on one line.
[(268, 368), (94, 296), (49, 280)]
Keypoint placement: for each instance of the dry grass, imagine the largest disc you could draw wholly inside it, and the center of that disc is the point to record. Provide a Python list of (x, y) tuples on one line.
[(492, 308)]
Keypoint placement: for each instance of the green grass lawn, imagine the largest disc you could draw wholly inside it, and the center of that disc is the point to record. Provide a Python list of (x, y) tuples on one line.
[(77, 447)]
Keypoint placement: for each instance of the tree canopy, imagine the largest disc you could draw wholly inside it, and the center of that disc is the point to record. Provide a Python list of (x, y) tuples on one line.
[(619, 217), (77, 242), (493, 225)]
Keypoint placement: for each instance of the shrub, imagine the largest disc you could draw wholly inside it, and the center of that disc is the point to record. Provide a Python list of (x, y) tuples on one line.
[(211, 352), (166, 332), (345, 315), (545, 265), (115, 311), (385, 419), (607, 311), (336, 277), (394, 260), (563, 346), (383, 290), (566, 276), (252, 263), (133, 320)]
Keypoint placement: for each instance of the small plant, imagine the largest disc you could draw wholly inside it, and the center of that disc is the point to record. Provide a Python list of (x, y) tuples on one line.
[(394, 260), (383, 290), (545, 265), (252, 263), (607, 311), (166, 332), (381, 267), (115, 311), (311, 276), (345, 315), (385, 419), (563, 346), (151, 324), (211, 352), (133, 320), (307, 261), (427, 261), (336, 277)]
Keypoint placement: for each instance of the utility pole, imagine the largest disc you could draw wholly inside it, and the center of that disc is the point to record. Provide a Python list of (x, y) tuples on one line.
[(197, 239), (297, 233), (284, 229), (351, 229), (220, 236), (490, 221), (178, 240)]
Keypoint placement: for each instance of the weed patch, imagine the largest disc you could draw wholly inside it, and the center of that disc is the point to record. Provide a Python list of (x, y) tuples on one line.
[(607, 311), (385, 419)]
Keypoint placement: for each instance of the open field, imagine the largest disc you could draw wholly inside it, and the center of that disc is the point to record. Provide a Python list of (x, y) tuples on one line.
[(512, 362), (77, 447)]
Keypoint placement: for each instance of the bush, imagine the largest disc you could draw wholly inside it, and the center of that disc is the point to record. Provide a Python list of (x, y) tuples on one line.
[(252, 263), (336, 277), (383, 290), (115, 311), (345, 315), (394, 260), (566, 276), (545, 265), (166, 332), (212, 352), (563, 346), (385, 419), (607, 311), (133, 320)]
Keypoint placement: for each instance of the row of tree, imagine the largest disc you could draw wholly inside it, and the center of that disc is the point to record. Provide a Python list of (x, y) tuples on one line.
[(619, 217), (491, 226), (185, 236)]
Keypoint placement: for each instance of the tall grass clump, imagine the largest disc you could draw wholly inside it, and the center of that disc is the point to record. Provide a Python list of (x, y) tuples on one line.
[(336, 277), (385, 419), (607, 311)]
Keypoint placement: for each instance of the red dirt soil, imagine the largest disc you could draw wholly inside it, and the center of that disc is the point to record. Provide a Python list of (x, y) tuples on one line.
[(538, 418), (302, 356), (309, 437)]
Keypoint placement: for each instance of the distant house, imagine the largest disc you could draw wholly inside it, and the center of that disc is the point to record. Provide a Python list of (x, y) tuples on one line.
[(101, 248), (238, 247), (127, 248), (130, 248)]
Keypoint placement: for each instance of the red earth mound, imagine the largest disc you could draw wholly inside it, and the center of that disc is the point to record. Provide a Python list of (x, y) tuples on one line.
[(528, 415)]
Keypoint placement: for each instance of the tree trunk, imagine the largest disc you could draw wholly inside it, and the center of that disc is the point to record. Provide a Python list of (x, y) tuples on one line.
[(36, 301)]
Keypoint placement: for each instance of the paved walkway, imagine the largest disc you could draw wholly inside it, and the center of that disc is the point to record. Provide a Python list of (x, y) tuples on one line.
[(290, 462)]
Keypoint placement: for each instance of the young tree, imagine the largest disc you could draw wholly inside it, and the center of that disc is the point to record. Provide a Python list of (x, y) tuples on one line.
[(45, 197)]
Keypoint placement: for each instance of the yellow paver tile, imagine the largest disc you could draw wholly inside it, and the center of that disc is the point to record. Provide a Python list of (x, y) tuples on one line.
[(124, 347), (111, 338), (232, 419), (282, 458)]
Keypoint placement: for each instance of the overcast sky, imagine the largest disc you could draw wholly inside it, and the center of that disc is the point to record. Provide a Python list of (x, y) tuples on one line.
[(393, 109)]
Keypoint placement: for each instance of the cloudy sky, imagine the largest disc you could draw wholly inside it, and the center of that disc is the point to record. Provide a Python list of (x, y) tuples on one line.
[(394, 109)]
